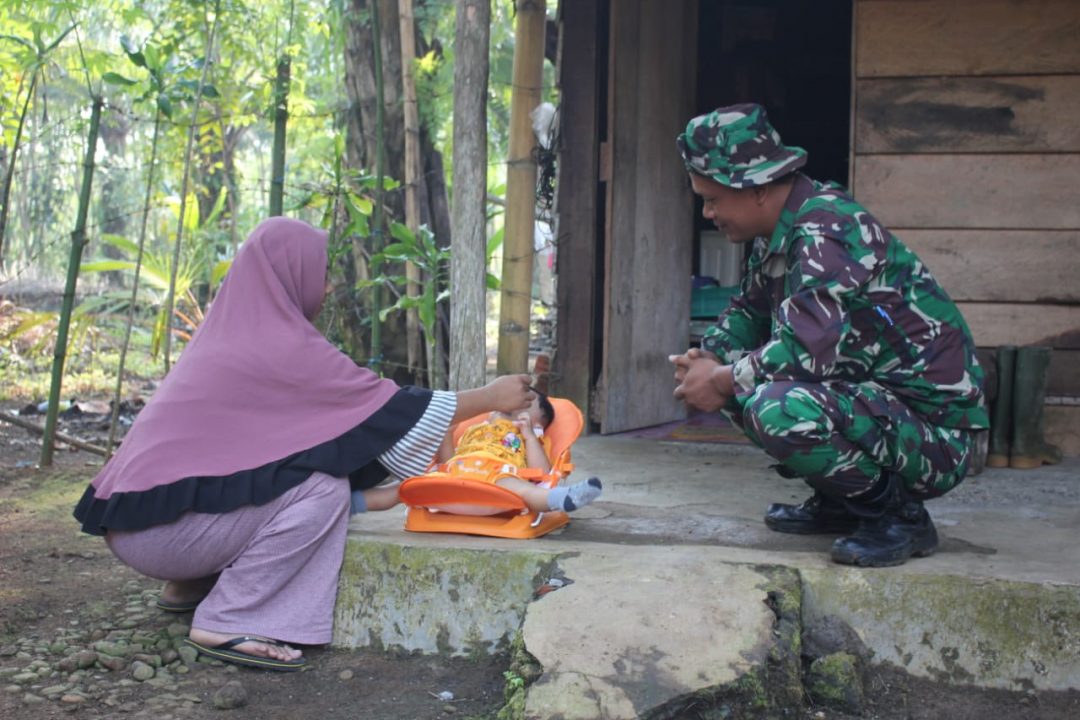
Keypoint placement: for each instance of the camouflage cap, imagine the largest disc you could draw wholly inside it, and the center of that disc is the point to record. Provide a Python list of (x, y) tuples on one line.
[(736, 146)]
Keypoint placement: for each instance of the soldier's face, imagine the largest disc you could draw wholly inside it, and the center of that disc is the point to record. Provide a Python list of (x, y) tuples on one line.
[(735, 213)]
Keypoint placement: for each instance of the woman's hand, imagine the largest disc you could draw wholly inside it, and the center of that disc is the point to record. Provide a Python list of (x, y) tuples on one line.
[(508, 394)]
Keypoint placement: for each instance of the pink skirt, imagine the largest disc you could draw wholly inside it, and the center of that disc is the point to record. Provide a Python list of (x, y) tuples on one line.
[(278, 562)]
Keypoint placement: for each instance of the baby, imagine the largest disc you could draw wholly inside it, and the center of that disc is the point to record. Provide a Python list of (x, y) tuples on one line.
[(497, 448)]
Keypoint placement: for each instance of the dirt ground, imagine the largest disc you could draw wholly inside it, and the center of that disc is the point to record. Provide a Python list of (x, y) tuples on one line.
[(69, 612)]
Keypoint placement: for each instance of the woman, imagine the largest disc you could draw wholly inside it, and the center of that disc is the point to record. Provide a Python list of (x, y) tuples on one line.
[(234, 482)]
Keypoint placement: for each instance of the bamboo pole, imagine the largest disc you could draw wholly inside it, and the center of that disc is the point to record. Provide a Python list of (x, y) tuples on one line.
[(413, 177), (281, 119), (78, 242), (170, 299), (6, 200), (134, 287), (375, 363), (514, 308)]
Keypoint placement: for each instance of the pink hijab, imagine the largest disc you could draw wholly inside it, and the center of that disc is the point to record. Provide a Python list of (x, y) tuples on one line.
[(257, 382)]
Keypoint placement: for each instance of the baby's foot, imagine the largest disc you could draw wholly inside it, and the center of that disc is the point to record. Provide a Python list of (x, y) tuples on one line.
[(574, 497)]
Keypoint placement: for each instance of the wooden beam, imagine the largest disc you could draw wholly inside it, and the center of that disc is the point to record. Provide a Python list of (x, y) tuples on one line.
[(578, 188), (35, 428), (1024, 266), (971, 191), (968, 115), (967, 37), (993, 324)]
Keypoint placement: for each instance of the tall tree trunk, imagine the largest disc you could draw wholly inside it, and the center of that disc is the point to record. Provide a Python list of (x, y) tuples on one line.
[(78, 242), (468, 268), (361, 147)]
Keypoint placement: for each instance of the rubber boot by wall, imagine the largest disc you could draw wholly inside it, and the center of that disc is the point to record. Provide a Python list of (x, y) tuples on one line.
[(1002, 410), (1029, 448)]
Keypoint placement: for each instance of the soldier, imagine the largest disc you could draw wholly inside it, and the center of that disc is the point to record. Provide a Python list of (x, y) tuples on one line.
[(841, 357)]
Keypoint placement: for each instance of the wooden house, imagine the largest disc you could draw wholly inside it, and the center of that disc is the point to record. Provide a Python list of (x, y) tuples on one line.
[(956, 122)]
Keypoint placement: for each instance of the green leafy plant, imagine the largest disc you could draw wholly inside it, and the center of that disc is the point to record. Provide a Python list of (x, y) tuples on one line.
[(154, 286)]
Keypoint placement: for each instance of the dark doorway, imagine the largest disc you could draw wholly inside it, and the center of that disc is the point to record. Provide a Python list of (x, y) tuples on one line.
[(791, 56)]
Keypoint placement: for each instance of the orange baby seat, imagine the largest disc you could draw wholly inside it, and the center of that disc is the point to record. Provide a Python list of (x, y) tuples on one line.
[(441, 503)]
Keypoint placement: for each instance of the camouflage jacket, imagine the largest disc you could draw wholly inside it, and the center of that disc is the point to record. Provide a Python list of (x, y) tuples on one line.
[(833, 295)]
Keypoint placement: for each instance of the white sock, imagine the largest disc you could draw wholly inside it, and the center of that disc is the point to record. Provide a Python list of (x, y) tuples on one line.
[(573, 497)]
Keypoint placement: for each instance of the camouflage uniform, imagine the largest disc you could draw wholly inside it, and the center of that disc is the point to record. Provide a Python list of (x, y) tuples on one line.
[(848, 357)]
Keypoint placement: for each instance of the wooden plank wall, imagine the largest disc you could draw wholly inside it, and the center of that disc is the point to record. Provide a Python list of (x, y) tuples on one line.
[(579, 65), (967, 146)]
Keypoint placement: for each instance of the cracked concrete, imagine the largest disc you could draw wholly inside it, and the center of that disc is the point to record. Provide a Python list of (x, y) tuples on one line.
[(667, 573)]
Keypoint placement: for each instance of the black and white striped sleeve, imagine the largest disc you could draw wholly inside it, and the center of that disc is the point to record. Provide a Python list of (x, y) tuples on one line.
[(413, 453)]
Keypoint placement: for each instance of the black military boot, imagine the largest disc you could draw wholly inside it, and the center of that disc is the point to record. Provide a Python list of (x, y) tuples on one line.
[(818, 515), (892, 528)]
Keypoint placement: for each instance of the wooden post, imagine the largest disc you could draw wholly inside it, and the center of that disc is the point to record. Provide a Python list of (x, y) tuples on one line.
[(468, 257), (516, 296), (413, 177)]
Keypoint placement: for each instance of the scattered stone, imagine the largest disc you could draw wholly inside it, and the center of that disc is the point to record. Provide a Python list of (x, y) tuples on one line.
[(449, 709), (346, 674), (12, 688), (68, 665), (24, 677), (73, 699), (8, 650), (85, 659), (32, 699), (151, 660), (177, 630), (8, 672), (169, 656), (188, 654), (141, 671), (111, 662), (54, 690), (230, 696)]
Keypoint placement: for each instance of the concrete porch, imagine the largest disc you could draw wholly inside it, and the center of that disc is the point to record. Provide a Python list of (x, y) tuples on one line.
[(670, 591)]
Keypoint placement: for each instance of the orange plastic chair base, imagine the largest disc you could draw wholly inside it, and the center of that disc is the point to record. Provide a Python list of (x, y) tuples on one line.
[(505, 525), (446, 503)]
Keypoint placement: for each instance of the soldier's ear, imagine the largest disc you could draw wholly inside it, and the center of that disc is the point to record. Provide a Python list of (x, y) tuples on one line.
[(761, 192)]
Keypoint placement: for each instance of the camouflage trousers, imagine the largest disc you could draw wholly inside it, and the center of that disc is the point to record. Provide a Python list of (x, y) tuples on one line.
[(840, 436)]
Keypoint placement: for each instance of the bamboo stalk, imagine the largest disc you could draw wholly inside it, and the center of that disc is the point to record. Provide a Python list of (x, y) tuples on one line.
[(380, 173), (6, 200), (78, 242), (281, 119), (134, 287), (407, 29), (514, 308), (62, 437), (170, 299)]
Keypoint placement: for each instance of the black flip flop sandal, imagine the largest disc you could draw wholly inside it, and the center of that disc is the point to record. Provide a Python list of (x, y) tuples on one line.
[(177, 607), (225, 652)]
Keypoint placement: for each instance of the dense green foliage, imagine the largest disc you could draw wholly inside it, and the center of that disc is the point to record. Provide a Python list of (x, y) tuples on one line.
[(145, 59)]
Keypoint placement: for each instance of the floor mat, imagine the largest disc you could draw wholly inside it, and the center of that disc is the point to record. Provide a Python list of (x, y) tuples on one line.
[(705, 428)]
